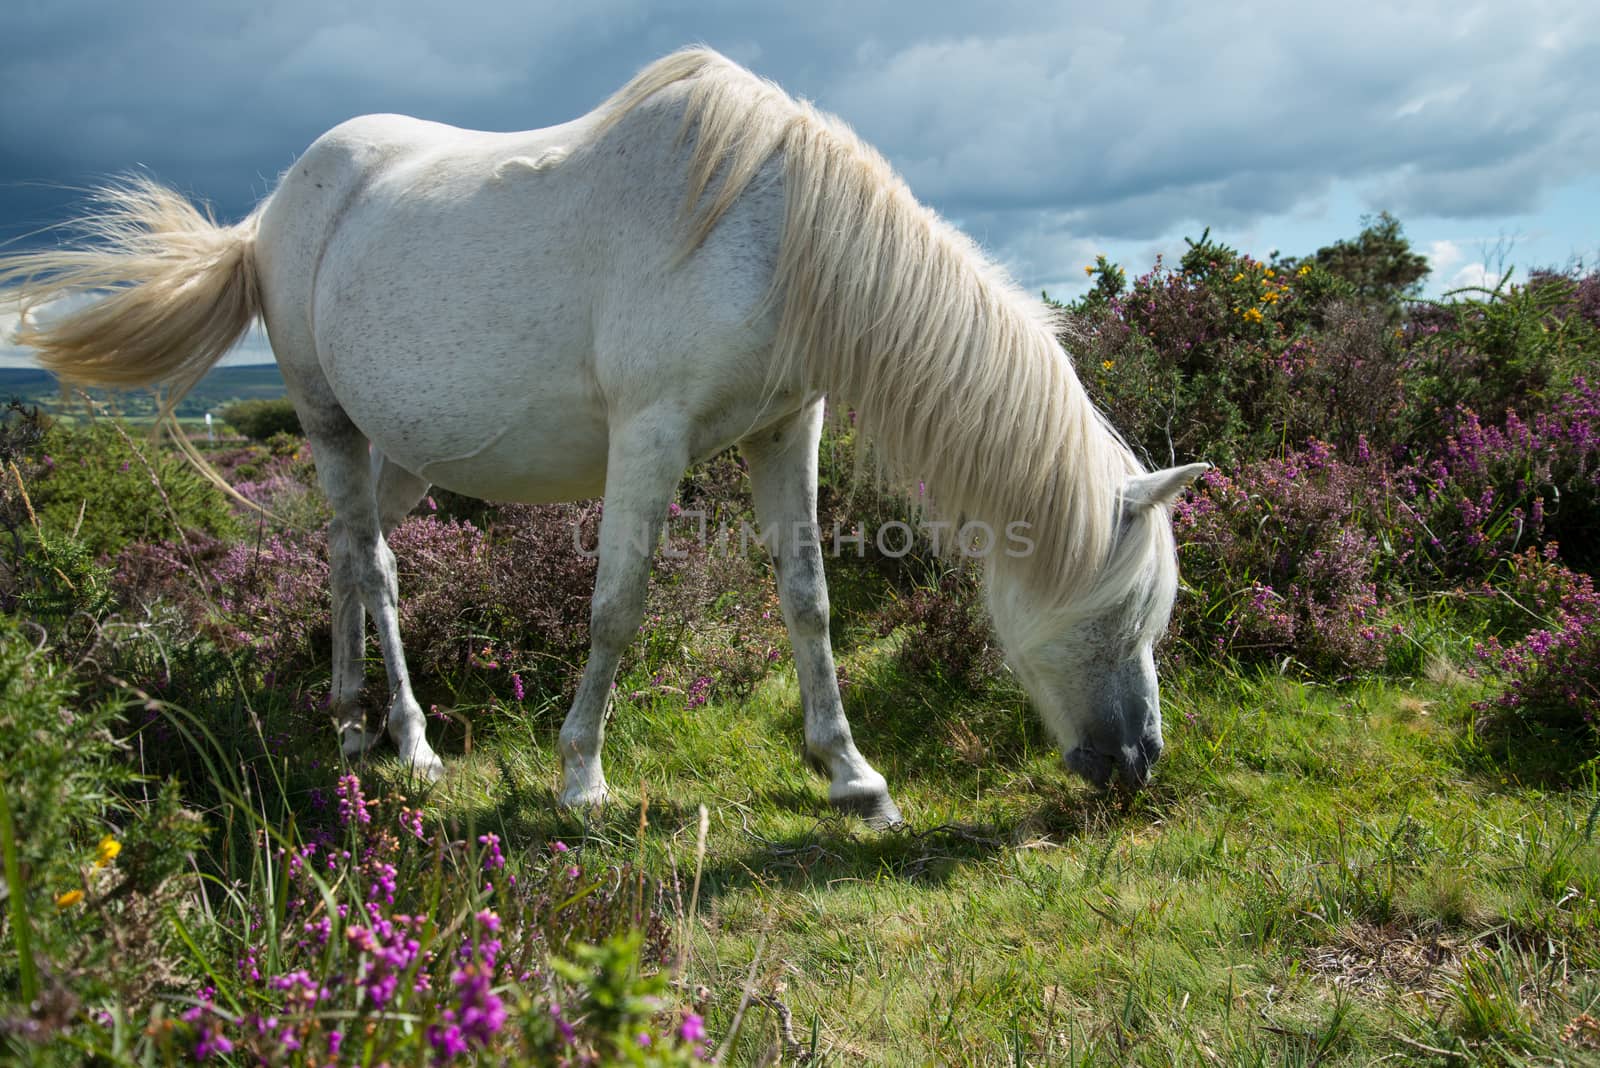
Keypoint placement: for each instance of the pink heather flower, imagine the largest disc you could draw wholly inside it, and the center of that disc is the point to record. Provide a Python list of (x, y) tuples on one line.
[(693, 1028), (699, 690), (516, 686), (433, 506), (561, 1024), (352, 809), (212, 1042), (447, 1041), (411, 820), (493, 858), (558, 847)]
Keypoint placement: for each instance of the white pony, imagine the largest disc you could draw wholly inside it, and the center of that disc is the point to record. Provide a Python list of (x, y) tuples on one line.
[(588, 308)]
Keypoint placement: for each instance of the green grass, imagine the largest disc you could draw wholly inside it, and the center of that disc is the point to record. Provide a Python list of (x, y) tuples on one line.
[(1317, 875)]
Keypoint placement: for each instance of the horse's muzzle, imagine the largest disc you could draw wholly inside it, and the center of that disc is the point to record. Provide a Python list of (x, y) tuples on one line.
[(1132, 763)]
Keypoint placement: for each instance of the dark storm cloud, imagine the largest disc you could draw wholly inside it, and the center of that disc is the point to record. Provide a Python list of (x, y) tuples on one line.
[(1021, 120), (1137, 125)]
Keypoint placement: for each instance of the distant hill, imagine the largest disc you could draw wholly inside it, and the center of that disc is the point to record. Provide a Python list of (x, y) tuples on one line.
[(221, 387)]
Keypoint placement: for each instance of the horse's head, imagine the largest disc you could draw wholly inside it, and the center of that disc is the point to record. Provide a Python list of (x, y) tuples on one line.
[(1090, 666)]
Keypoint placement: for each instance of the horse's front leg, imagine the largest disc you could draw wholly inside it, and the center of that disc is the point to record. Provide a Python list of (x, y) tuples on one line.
[(644, 462), (783, 477)]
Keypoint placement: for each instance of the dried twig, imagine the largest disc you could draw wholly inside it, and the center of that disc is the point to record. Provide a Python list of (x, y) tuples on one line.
[(792, 1046), (1423, 1047)]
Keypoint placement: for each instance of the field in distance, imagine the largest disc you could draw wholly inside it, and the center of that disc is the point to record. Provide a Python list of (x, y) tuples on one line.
[(223, 386)]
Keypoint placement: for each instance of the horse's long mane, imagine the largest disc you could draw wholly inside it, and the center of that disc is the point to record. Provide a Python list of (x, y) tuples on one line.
[(954, 373)]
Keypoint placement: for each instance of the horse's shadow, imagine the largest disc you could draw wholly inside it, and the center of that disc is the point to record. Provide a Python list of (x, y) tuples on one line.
[(831, 850), (837, 849)]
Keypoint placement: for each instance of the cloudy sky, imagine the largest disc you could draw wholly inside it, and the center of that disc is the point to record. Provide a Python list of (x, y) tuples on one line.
[(1050, 132)]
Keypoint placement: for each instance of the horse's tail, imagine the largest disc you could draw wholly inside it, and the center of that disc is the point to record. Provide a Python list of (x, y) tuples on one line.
[(171, 292)]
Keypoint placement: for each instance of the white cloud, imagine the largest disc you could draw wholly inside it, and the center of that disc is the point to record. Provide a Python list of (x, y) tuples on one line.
[(1443, 255), (1473, 275)]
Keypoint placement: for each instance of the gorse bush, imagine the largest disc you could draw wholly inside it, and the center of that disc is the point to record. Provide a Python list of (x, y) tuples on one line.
[(1509, 348), (106, 490), (56, 580), (93, 852)]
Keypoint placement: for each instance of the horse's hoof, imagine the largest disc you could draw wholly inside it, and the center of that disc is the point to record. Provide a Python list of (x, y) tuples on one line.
[(424, 764), (581, 800), (877, 810), (355, 743)]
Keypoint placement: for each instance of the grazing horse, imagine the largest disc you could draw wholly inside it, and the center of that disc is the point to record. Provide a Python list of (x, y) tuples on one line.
[(592, 307)]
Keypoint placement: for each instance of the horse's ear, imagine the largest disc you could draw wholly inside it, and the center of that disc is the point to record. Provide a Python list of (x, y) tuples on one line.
[(1160, 487)]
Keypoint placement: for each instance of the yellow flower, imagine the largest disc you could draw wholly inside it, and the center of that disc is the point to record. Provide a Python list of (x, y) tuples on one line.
[(1269, 272), (69, 899), (1269, 298), (1089, 269), (1399, 333), (1252, 315), (1239, 277), (1302, 272), (107, 852), (1108, 364)]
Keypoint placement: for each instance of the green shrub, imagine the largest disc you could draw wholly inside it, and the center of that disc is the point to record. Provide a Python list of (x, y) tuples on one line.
[(56, 578), (89, 863), (96, 483), (259, 420), (1510, 348)]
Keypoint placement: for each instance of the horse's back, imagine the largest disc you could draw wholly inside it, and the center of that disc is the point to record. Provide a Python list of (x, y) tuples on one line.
[(472, 299)]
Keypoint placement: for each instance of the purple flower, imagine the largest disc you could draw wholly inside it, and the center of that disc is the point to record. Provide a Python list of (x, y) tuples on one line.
[(212, 1042), (411, 820), (447, 1041), (352, 809), (699, 690), (492, 859)]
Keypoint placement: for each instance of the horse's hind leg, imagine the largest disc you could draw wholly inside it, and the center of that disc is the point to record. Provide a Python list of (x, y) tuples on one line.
[(363, 577), (643, 465), (398, 492), (783, 476)]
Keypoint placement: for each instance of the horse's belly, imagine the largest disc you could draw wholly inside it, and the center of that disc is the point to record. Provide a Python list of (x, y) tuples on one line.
[(530, 441), (535, 463)]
